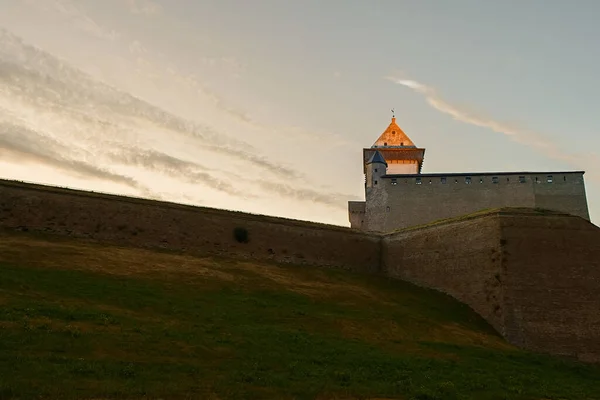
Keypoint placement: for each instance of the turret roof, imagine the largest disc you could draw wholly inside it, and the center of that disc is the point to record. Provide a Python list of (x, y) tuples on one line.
[(393, 136), (377, 158)]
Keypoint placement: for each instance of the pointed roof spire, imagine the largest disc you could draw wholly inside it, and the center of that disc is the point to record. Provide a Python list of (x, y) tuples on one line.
[(393, 136), (377, 158)]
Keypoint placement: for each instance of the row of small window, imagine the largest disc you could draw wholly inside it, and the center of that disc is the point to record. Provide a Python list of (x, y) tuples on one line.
[(495, 179)]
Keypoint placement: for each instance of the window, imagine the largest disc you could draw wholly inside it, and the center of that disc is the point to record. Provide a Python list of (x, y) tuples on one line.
[(468, 180), (375, 169), (443, 180), (394, 181), (494, 179), (480, 180), (537, 180), (385, 144), (565, 178), (456, 181), (401, 143), (522, 179), (549, 179), (418, 181), (430, 181), (387, 209), (507, 179), (376, 182), (393, 132)]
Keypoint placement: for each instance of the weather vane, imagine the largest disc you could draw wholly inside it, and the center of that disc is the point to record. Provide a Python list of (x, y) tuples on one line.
[(393, 113)]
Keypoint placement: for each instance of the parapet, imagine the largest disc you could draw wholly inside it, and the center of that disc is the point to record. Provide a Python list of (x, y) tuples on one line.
[(404, 200)]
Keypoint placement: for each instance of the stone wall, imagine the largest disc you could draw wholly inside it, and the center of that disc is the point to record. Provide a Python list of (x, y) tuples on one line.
[(401, 202), (535, 277), (147, 223), (462, 259), (552, 284), (356, 213)]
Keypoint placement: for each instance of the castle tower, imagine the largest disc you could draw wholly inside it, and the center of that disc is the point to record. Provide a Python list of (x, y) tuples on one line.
[(376, 167), (396, 148)]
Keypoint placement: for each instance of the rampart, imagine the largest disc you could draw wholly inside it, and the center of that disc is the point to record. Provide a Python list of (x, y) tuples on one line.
[(148, 223), (400, 201), (534, 276)]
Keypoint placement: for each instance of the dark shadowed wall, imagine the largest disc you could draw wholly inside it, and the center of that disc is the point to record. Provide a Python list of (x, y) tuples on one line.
[(462, 259), (552, 284), (534, 276)]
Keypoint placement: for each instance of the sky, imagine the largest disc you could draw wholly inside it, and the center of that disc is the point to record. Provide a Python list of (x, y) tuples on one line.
[(264, 106)]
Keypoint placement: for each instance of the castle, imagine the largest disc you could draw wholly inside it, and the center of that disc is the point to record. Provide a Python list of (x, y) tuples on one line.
[(531, 274), (398, 195), (530, 266)]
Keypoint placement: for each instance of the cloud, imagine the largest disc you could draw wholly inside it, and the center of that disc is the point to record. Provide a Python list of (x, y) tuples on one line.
[(24, 145), (517, 134), (76, 16), (144, 7), (56, 115), (174, 167), (234, 67), (51, 84), (136, 47), (336, 200)]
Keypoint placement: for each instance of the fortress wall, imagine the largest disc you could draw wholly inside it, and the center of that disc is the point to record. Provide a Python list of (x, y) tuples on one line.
[(432, 201), (566, 193), (460, 258), (148, 223), (551, 284), (533, 276), (428, 202), (356, 212)]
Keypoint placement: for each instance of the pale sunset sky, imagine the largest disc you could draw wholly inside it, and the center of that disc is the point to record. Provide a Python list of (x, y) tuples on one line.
[(264, 106)]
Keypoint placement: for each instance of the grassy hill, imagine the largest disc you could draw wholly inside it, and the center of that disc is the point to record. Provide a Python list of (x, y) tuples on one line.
[(85, 320)]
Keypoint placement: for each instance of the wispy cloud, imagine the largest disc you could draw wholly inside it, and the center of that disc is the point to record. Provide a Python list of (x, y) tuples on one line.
[(520, 135), (56, 115), (76, 16), (144, 7), (336, 200), (51, 84), (289, 132), (174, 167), (24, 145)]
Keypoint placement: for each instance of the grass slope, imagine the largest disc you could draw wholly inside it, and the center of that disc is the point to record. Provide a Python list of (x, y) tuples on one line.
[(83, 320)]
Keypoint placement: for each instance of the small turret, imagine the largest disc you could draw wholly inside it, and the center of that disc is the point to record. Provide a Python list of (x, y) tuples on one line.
[(376, 168)]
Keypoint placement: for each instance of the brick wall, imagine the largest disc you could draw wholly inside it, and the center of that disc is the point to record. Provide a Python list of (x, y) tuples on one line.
[(147, 223)]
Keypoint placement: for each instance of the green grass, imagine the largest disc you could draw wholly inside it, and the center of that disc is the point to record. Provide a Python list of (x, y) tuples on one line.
[(80, 320)]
